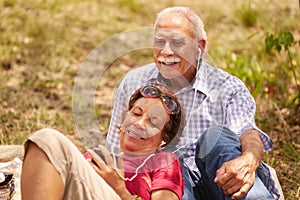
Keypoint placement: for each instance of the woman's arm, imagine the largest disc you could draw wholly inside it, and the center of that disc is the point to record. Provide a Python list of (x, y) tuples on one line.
[(163, 194), (167, 179), (113, 178), (110, 174)]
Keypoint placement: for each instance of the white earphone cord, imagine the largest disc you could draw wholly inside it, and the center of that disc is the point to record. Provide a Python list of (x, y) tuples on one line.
[(199, 62)]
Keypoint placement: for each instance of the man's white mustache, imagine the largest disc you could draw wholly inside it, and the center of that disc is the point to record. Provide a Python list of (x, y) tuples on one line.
[(168, 59)]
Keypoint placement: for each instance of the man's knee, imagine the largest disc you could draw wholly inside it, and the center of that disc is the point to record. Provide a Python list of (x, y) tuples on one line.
[(217, 135)]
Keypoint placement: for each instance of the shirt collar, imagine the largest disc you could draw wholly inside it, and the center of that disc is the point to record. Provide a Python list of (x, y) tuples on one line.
[(199, 83)]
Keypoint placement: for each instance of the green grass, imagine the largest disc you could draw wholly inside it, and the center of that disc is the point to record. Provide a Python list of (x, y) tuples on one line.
[(43, 44), (247, 14)]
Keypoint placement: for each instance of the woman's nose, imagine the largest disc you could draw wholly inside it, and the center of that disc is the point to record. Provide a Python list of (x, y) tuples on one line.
[(141, 123)]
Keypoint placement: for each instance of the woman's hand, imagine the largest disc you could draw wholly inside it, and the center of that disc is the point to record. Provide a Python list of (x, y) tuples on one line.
[(111, 174)]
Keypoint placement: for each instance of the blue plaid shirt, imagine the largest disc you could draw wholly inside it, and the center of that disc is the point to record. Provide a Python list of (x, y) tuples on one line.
[(214, 97)]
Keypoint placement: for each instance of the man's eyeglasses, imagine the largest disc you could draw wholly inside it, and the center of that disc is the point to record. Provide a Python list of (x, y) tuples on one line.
[(169, 102)]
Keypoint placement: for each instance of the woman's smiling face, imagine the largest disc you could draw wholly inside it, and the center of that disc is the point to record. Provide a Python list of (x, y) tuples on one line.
[(141, 130)]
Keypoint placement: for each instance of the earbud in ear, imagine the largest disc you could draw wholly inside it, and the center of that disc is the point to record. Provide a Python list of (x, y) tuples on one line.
[(163, 143), (200, 51)]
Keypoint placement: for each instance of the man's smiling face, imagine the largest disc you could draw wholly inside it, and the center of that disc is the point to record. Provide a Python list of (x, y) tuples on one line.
[(175, 47)]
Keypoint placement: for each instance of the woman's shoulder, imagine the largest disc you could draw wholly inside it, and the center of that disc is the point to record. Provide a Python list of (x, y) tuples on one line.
[(165, 159)]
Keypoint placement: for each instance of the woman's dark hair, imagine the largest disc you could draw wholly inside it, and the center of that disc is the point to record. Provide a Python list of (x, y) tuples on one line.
[(172, 130)]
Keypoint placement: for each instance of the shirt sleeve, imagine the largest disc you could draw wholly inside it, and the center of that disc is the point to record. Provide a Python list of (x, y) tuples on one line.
[(240, 114), (169, 177), (120, 104)]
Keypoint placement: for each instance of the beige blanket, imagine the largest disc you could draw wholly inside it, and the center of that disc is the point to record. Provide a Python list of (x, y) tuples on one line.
[(12, 154), (9, 152)]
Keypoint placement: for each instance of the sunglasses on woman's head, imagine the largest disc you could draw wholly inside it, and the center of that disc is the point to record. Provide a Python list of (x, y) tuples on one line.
[(168, 101)]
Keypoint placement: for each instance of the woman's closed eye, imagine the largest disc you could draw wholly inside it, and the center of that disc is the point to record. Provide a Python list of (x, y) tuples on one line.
[(136, 112), (156, 122)]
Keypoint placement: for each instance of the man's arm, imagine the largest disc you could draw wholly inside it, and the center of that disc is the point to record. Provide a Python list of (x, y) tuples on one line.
[(252, 146), (237, 176)]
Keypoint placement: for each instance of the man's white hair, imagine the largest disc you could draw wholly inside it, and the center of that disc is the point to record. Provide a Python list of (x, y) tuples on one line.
[(190, 15)]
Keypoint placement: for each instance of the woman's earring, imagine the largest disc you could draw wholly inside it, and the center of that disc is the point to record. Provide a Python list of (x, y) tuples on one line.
[(163, 143), (118, 128)]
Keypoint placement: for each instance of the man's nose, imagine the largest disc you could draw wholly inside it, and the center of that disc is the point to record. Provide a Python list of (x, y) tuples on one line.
[(166, 50)]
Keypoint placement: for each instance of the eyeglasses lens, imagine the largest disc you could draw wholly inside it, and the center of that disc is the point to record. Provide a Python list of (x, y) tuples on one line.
[(170, 104), (152, 91)]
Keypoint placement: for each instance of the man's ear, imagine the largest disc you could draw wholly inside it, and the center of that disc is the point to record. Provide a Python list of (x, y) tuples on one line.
[(202, 45)]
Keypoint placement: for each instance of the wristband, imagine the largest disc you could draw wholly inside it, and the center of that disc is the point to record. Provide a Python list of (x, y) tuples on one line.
[(136, 197)]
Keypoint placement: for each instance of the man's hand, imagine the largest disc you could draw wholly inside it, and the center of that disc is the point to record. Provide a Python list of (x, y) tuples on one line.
[(237, 176)]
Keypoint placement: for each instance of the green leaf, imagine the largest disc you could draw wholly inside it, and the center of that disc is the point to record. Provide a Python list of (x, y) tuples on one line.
[(278, 47), (269, 41), (282, 39), (286, 39)]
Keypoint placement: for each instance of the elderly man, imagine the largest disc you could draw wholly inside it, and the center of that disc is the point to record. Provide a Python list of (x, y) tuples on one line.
[(222, 147)]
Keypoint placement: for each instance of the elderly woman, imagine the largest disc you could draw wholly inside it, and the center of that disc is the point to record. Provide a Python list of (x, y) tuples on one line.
[(53, 168)]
